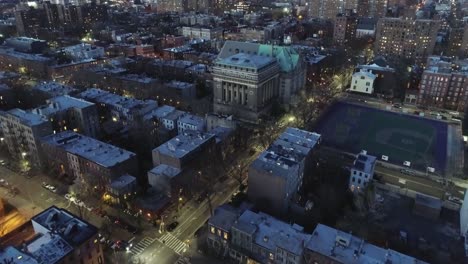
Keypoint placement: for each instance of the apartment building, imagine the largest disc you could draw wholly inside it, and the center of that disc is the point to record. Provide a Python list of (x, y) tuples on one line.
[(191, 122), (444, 84), (91, 161), (22, 132), (401, 38), (362, 171), (345, 27), (70, 113), (277, 174), (59, 238), (363, 82)]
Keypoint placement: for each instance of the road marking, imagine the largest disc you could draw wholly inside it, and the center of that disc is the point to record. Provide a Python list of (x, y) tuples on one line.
[(173, 243), (142, 245)]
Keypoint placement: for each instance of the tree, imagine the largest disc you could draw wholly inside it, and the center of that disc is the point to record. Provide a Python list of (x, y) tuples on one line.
[(342, 80)]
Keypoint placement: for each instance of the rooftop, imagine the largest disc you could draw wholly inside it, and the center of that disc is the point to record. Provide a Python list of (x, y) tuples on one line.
[(428, 201), (122, 182), (166, 170), (180, 85), (224, 217), (49, 248), (185, 143), (161, 111), (288, 58), (26, 56), (54, 88), (8, 75), (192, 120), (27, 118), (345, 248), (246, 61), (61, 103), (272, 233), (18, 257), (365, 73), (69, 227), (365, 163), (120, 102), (89, 148), (284, 155)]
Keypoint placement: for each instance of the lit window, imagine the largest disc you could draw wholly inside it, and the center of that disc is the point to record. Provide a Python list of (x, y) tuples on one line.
[(225, 235), (212, 230)]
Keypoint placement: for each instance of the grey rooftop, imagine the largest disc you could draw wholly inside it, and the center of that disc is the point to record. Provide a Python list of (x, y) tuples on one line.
[(89, 148)]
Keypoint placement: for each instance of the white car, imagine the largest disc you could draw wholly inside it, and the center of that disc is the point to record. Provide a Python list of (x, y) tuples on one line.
[(52, 188), (69, 197)]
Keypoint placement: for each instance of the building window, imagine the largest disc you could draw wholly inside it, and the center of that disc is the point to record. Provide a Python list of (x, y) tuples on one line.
[(225, 236), (353, 179), (213, 230), (272, 257), (219, 233)]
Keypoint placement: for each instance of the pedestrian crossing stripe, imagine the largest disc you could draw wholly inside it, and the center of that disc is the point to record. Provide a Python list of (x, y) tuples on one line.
[(173, 243), (142, 245)]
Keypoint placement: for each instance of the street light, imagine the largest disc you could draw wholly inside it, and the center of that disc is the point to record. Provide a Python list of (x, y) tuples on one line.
[(23, 154)]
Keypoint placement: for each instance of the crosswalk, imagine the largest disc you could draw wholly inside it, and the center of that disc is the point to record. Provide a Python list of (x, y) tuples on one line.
[(173, 243), (142, 245)]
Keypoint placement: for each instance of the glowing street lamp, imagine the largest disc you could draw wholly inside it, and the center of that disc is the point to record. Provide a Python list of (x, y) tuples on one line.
[(23, 154)]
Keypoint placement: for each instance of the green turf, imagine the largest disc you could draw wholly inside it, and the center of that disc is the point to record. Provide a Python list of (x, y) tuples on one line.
[(392, 135)]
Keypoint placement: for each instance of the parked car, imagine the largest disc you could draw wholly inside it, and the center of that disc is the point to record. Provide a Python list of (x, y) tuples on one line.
[(455, 199), (172, 226), (398, 106), (407, 172)]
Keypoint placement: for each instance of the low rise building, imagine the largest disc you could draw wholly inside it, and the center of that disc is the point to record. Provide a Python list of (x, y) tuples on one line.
[(84, 51), (34, 64), (95, 163), (276, 175), (181, 89), (246, 236), (70, 113), (202, 33), (363, 82), (25, 44), (22, 131), (329, 245), (190, 122), (385, 81), (214, 120), (59, 237), (121, 189), (53, 89), (184, 149), (362, 171)]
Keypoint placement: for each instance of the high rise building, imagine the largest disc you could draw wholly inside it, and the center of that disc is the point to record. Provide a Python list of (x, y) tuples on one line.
[(399, 38), (458, 41), (378, 8), (345, 27), (325, 9)]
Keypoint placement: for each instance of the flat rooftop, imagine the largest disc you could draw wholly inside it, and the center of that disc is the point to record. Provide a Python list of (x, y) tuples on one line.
[(71, 228), (25, 56), (27, 118), (285, 154), (192, 120), (54, 88), (246, 61), (166, 170), (343, 247), (183, 144), (89, 148), (49, 248), (272, 233), (18, 257), (122, 182)]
